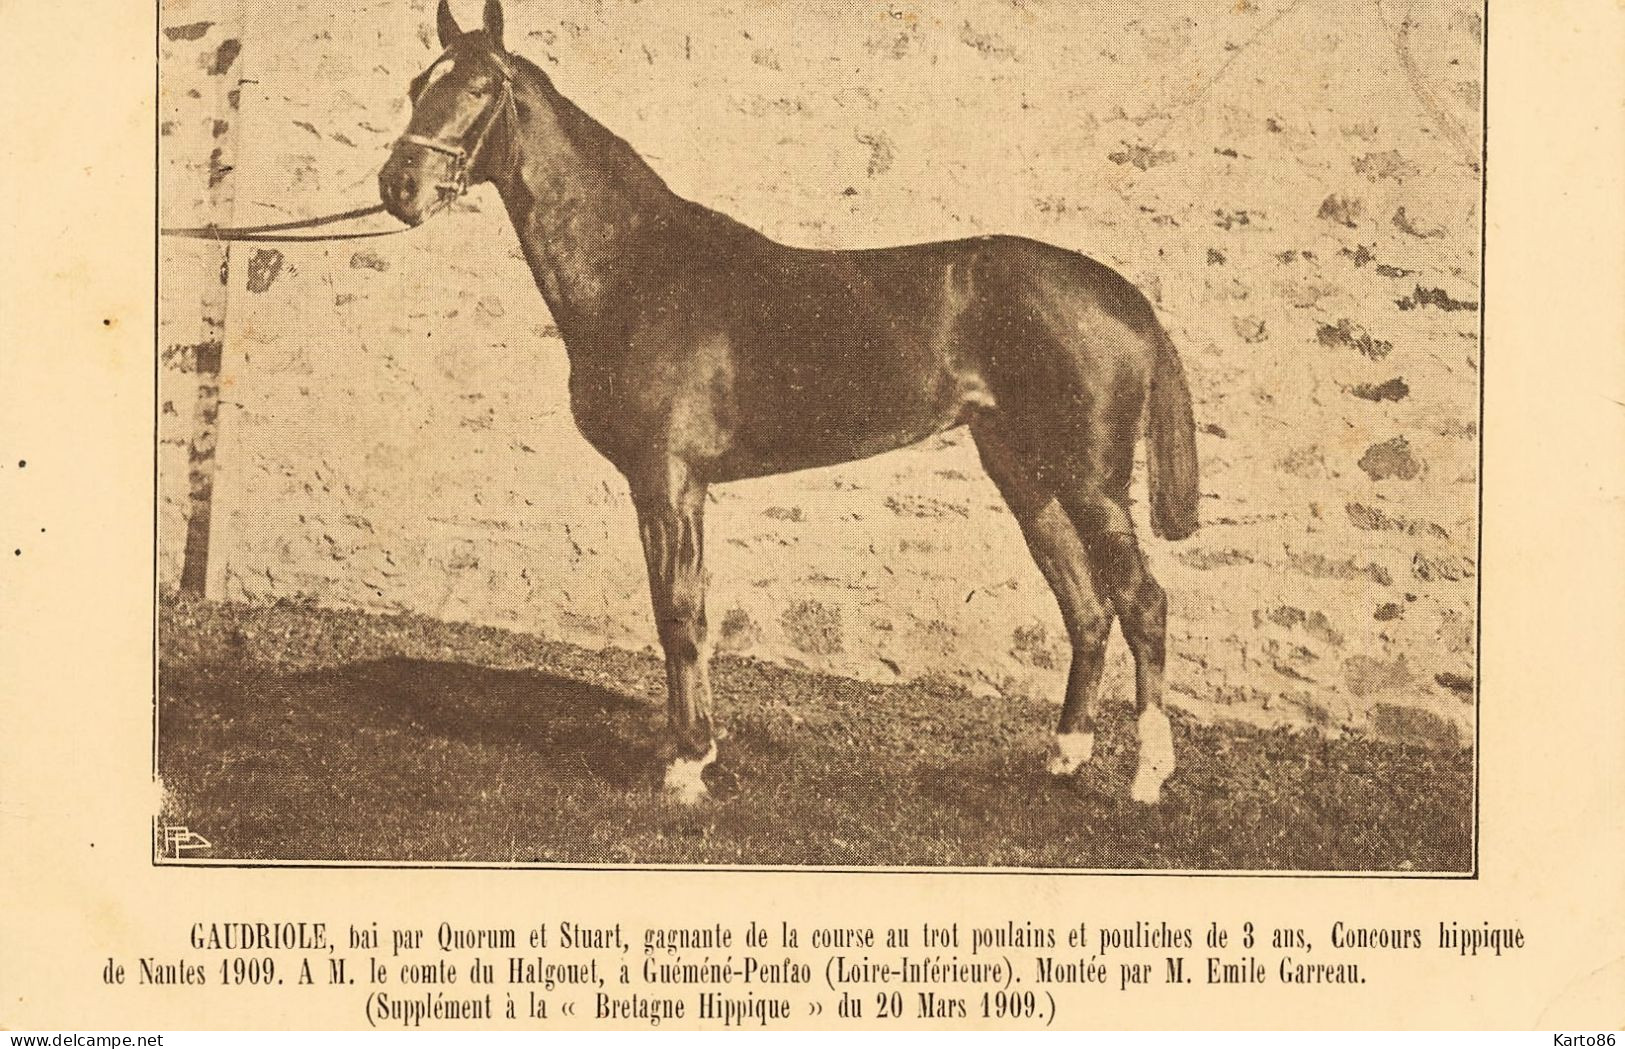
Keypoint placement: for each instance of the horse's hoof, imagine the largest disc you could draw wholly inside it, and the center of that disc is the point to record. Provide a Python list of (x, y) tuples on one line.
[(1147, 789), (1073, 750), (684, 782), (687, 793)]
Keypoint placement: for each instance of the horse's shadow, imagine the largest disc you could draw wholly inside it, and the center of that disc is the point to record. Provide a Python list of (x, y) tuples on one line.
[(563, 721)]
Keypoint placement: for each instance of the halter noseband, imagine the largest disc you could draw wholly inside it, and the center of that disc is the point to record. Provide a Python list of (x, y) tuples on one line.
[(463, 157)]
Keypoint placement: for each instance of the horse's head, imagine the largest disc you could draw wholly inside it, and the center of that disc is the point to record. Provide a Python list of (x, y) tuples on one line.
[(458, 106)]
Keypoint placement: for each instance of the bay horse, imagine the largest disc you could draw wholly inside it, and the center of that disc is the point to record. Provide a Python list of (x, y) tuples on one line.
[(702, 352)]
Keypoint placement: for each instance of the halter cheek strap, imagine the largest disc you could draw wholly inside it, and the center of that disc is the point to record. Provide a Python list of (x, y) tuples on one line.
[(463, 157)]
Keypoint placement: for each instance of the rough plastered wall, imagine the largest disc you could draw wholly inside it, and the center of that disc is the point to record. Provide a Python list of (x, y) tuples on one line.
[(395, 434)]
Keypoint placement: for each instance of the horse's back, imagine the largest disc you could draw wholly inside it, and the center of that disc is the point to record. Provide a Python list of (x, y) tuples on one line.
[(814, 357)]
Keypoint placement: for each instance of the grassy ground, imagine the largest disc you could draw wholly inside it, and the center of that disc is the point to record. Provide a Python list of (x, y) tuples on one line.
[(292, 733)]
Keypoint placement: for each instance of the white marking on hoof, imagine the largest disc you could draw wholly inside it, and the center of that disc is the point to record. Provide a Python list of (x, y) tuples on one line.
[(1072, 751), (1156, 756), (683, 782)]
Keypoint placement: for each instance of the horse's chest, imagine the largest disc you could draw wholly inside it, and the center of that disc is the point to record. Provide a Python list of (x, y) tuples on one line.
[(592, 407), (656, 402)]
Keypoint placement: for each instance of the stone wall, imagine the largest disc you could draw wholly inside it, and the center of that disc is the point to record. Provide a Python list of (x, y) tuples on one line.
[(395, 432)]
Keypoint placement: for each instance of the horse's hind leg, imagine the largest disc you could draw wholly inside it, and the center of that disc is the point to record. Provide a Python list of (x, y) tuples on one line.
[(1142, 607), (1065, 565)]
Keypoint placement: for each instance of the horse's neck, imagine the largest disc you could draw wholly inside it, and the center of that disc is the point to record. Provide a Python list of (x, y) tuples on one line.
[(582, 203)]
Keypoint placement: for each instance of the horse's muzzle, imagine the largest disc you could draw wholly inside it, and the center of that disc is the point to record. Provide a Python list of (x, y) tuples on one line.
[(411, 186)]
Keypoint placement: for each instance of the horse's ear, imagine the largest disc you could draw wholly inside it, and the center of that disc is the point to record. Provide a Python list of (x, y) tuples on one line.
[(446, 24), (493, 23)]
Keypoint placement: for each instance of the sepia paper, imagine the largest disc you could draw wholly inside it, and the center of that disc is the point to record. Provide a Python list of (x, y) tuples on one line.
[(333, 690)]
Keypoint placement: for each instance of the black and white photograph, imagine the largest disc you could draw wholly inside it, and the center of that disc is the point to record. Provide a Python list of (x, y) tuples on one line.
[(998, 435)]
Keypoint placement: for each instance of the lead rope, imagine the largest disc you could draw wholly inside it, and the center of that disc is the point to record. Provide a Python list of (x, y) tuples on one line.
[(271, 231)]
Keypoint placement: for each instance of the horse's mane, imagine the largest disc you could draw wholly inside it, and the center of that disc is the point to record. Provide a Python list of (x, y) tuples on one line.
[(589, 137), (614, 157)]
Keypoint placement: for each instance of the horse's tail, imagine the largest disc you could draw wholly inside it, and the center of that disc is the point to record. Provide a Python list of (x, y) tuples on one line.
[(1170, 439)]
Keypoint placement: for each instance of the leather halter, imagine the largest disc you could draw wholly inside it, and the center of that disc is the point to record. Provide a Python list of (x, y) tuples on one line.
[(463, 156), (463, 159)]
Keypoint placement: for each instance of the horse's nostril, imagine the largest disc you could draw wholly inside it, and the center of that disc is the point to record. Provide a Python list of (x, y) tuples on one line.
[(409, 185)]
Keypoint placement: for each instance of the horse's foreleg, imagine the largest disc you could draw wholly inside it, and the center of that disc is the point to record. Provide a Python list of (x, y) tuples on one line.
[(671, 516)]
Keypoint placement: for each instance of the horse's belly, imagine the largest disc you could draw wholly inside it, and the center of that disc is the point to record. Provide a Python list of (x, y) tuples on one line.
[(794, 428)]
